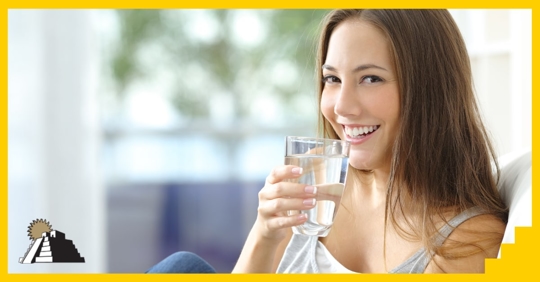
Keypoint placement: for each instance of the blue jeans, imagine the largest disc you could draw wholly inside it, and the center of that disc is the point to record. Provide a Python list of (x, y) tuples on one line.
[(182, 262)]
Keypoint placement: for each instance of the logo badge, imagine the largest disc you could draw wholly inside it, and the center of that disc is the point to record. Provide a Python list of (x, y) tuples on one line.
[(49, 245)]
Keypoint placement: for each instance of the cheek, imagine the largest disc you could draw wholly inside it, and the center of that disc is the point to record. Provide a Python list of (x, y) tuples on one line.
[(393, 111), (386, 106), (391, 115)]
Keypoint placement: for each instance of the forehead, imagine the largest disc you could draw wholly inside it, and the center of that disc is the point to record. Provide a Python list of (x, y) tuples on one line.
[(358, 42)]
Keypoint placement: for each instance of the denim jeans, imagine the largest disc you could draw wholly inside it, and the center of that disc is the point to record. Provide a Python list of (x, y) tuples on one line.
[(182, 262)]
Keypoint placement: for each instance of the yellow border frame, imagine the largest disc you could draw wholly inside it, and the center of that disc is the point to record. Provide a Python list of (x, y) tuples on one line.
[(518, 260)]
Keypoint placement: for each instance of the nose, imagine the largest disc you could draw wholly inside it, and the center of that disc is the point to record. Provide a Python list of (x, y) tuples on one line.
[(347, 102)]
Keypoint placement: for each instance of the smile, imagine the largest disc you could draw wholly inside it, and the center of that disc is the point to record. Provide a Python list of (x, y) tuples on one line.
[(360, 131)]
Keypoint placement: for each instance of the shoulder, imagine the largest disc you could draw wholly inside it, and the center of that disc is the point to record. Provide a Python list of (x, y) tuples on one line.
[(467, 247)]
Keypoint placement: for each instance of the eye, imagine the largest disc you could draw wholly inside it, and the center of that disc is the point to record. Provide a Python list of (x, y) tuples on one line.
[(330, 79), (371, 79)]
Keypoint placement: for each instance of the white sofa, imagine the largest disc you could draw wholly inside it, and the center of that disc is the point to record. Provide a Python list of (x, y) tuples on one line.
[(515, 186)]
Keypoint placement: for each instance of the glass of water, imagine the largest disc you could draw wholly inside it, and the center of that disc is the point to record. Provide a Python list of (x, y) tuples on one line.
[(325, 164)]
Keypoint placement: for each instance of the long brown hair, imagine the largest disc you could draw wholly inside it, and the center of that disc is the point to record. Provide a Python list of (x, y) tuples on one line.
[(442, 157)]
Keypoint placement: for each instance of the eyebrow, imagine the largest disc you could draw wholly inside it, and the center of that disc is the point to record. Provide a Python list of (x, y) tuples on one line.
[(357, 69)]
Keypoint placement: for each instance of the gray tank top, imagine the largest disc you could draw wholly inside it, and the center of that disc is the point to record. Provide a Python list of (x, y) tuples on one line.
[(301, 253)]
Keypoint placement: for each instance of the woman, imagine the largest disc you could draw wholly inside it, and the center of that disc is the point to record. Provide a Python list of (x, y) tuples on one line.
[(421, 196)]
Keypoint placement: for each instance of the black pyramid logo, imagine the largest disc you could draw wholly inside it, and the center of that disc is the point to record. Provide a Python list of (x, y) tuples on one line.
[(49, 245)]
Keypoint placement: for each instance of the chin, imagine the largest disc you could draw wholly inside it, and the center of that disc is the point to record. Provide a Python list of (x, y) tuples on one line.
[(369, 159), (361, 160)]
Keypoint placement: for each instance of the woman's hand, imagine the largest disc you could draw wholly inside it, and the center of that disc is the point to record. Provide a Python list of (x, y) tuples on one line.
[(279, 196), (262, 250)]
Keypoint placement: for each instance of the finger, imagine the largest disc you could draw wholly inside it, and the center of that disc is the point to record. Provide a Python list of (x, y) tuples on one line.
[(286, 221), (280, 205), (287, 190), (283, 172)]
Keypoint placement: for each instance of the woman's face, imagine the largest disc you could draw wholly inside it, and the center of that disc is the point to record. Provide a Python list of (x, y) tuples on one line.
[(360, 97)]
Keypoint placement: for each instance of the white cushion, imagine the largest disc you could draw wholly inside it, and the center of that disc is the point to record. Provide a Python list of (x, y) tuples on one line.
[(515, 187)]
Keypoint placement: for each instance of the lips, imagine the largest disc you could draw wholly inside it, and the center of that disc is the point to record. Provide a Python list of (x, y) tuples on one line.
[(359, 131)]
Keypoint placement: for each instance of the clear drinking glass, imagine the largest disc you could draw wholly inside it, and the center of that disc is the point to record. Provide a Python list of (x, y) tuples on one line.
[(325, 165)]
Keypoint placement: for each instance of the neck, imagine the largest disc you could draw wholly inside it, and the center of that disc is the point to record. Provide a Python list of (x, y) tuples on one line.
[(368, 187)]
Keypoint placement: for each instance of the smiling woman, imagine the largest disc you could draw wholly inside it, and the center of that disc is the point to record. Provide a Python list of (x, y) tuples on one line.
[(423, 97), (394, 83), (167, 118), (421, 196)]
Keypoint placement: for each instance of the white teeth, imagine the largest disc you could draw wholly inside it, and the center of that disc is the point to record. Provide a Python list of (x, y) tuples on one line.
[(357, 131)]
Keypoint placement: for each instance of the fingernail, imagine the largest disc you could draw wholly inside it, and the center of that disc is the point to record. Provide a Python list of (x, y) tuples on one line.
[(309, 202), (310, 189), (297, 170), (302, 216)]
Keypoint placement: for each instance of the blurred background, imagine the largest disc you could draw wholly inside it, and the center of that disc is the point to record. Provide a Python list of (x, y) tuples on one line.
[(139, 133)]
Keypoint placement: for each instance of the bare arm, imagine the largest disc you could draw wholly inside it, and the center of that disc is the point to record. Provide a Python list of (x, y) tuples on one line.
[(268, 237), (258, 257), (281, 250)]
